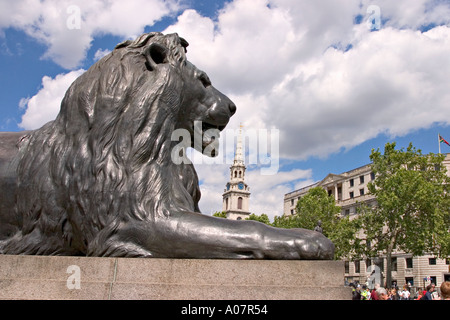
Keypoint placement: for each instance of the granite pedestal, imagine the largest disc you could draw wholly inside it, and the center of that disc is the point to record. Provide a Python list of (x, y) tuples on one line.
[(51, 277)]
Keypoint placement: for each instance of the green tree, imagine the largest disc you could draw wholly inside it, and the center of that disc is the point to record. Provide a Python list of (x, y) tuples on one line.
[(412, 212), (220, 214), (286, 222), (318, 205), (262, 218)]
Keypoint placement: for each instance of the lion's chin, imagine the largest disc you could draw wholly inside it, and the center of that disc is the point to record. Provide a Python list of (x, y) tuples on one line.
[(210, 147), (210, 136)]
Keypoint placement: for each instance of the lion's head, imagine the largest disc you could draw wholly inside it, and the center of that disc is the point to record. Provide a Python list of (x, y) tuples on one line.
[(105, 159), (148, 84)]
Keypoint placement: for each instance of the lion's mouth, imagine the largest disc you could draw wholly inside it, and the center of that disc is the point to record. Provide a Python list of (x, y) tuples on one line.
[(210, 134), (207, 126)]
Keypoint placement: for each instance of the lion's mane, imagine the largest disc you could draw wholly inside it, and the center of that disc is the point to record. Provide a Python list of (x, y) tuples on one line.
[(105, 159)]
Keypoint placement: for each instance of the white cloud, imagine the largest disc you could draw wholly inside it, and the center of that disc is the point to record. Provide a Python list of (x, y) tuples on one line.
[(411, 14), (325, 82), (100, 53), (23, 103), (306, 68), (268, 190), (67, 28), (45, 105), (392, 81)]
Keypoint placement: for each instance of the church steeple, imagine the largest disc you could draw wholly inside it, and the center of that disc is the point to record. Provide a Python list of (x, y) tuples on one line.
[(238, 157), (237, 170), (237, 193)]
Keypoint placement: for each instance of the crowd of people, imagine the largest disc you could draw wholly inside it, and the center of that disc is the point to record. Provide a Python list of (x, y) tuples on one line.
[(362, 292)]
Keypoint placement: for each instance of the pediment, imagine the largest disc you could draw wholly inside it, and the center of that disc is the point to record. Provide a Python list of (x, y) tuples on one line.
[(330, 178)]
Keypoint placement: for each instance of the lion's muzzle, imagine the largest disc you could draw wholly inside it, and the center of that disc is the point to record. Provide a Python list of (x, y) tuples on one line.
[(221, 109)]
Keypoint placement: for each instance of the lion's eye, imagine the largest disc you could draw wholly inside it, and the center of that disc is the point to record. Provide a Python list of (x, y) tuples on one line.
[(204, 80)]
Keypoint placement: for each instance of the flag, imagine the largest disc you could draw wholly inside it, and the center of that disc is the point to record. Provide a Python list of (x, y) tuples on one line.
[(443, 140)]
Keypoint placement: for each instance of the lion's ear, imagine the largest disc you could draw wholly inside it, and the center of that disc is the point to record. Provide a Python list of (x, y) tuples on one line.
[(155, 54)]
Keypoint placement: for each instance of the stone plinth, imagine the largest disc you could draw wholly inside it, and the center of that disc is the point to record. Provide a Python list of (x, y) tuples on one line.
[(45, 277)]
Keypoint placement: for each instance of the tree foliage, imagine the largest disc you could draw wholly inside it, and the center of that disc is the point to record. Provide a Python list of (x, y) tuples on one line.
[(318, 205), (412, 212), (220, 214), (262, 218)]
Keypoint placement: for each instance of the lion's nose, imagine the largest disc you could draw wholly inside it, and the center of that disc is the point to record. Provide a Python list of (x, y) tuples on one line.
[(232, 108)]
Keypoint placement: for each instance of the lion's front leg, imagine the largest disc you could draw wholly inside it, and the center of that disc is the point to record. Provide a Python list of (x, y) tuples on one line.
[(197, 236), (192, 235)]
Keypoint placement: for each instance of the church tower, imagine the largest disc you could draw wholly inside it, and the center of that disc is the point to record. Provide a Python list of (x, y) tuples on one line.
[(237, 193)]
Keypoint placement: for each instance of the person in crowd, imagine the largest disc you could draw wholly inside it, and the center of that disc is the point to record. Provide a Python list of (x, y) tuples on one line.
[(373, 294), (382, 294), (435, 295), (394, 294), (445, 290), (429, 293), (365, 295), (356, 291), (419, 294), (405, 294)]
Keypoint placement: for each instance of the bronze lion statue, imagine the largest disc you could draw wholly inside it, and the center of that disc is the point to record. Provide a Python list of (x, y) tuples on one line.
[(99, 179)]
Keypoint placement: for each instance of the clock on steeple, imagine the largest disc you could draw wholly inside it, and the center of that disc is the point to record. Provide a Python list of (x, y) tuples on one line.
[(237, 193)]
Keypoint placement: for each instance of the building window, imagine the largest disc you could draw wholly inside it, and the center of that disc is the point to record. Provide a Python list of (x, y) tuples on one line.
[(432, 261), (346, 212), (351, 195), (410, 281), (352, 182), (346, 267), (292, 211), (292, 202), (235, 174), (372, 176), (409, 263), (240, 203), (361, 192), (394, 264), (361, 179), (226, 204), (357, 267)]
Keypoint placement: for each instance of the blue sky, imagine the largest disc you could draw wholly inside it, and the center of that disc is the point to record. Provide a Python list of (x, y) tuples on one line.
[(316, 71)]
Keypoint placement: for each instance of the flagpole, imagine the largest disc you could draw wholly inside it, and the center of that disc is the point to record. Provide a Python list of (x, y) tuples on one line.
[(439, 142)]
